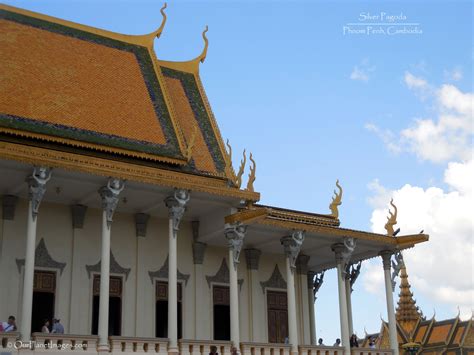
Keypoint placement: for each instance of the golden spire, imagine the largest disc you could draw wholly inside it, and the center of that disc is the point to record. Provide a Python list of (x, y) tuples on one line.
[(202, 56), (336, 201), (251, 174), (158, 32), (236, 179), (407, 313), (189, 149), (391, 220)]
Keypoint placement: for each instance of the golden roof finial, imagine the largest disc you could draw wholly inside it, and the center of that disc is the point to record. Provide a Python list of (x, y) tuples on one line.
[(189, 149), (202, 56), (391, 220), (157, 33), (238, 180), (336, 201), (251, 174)]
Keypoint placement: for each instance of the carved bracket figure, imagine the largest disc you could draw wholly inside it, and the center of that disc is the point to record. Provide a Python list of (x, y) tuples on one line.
[(397, 264), (318, 282), (292, 246), (352, 272), (110, 198), (177, 206), (37, 187), (235, 234)]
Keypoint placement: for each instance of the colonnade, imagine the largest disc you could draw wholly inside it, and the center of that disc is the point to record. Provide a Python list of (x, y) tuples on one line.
[(235, 234)]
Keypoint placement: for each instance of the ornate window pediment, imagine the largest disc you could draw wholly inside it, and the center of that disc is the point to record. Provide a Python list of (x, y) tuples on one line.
[(42, 259)]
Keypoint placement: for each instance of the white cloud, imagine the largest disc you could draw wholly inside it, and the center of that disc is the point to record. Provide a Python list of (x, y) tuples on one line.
[(362, 71), (455, 74), (386, 135), (414, 82), (445, 138), (441, 269)]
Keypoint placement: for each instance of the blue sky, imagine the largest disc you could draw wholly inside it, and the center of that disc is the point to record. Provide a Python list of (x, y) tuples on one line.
[(278, 76)]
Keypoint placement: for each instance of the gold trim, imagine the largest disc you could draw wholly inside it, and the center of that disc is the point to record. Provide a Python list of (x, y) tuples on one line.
[(123, 170), (401, 242), (145, 40), (247, 216), (406, 241), (97, 147)]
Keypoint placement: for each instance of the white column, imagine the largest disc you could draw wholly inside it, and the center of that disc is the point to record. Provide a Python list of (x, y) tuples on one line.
[(349, 305), (199, 250), (392, 325), (176, 206), (235, 234), (311, 300), (292, 247), (234, 302), (109, 195), (37, 187), (256, 305), (339, 249)]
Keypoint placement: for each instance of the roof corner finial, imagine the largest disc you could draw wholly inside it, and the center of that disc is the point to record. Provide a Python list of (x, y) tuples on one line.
[(391, 220), (251, 174), (158, 32), (238, 180), (336, 201), (202, 56)]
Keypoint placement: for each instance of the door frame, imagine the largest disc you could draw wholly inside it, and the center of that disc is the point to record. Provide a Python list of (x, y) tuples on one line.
[(273, 289), (91, 298), (218, 284), (180, 282)]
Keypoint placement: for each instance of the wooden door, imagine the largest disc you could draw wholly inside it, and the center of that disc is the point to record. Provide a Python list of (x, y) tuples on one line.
[(277, 310)]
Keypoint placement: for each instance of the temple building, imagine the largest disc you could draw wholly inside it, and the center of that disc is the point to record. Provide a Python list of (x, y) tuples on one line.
[(123, 216), (449, 336)]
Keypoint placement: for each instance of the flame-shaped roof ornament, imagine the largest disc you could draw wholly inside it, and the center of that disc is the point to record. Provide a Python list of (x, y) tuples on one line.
[(157, 33), (391, 220), (202, 56)]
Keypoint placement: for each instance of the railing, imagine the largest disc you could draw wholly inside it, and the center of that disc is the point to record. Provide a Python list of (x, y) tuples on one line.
[(127, 345), (50, 343), (264, 349), (7, 341), (370, 351), (203, 347), (320, 350)]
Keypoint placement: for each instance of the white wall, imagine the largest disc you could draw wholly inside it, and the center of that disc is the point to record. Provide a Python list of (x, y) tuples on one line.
[(81, 247)]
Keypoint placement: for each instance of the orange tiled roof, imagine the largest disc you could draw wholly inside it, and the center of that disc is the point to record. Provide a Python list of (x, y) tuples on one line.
[(439, 333), (89, 88)]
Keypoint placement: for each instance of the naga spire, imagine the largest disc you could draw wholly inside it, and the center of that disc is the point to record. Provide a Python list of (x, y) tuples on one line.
[(251, 174), (202, 56), (236, 179), (391, 220), (158, 32), (336, 201)]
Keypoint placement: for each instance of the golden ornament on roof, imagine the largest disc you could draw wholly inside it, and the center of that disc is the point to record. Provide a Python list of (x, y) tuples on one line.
[(251, 174), (202, 56), (189, 150), (336, 201), (391, 219)]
